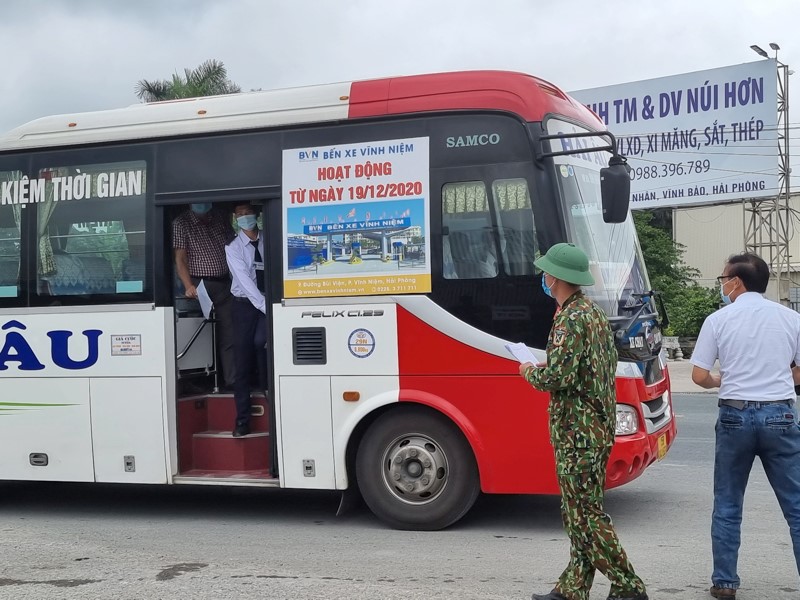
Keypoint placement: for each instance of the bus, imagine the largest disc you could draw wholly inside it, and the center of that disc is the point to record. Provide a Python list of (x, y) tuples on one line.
[(401, 218)]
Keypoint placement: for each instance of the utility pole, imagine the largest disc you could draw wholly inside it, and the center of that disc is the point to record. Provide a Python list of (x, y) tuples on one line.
[(766, 226)]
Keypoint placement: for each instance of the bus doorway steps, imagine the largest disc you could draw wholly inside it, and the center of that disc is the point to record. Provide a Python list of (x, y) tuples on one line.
[(206, 446), (227, 478), (219, 451)]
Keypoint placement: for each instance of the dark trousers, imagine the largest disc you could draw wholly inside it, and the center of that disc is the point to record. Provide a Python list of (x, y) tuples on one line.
[(220, 294), (250, 337)]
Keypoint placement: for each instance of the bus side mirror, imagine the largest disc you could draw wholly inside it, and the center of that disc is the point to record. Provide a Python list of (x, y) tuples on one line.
[(615, 189)]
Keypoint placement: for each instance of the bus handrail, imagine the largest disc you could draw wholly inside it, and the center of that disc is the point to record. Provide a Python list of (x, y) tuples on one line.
[(195, 335)]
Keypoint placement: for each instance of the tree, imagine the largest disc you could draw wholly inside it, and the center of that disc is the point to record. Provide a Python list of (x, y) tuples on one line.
[(687, 303), (209, 79)]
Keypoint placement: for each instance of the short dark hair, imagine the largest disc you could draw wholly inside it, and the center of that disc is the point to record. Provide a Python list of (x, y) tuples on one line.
[(751, 269), (256, 209)]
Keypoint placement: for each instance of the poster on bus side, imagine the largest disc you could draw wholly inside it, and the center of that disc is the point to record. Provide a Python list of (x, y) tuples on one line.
[(356, 219)]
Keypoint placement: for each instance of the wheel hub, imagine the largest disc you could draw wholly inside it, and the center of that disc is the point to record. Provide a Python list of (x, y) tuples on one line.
[(415, 469)]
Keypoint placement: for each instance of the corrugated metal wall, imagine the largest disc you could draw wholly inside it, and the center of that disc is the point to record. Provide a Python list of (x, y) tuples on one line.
[(712, 233), (709, 236)]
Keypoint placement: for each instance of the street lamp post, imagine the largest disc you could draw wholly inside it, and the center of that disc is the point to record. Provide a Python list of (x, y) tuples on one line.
[(770, 218)]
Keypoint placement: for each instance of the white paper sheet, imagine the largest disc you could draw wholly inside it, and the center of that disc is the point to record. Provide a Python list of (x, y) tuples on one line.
[(205, 300), (522, 353)]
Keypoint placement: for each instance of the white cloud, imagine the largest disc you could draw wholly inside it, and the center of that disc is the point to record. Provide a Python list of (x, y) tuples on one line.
[(65, 56)]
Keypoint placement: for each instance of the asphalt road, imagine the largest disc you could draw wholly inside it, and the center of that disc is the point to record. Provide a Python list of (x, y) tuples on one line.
[(64, 541)]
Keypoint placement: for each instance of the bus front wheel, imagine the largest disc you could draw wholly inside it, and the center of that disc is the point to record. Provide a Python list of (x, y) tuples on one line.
[(416, 470)]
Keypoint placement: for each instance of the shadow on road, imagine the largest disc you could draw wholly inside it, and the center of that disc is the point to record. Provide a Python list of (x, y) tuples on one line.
[(85, 501)]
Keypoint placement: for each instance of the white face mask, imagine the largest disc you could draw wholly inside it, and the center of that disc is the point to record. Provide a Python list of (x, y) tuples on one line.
[(247, 222)]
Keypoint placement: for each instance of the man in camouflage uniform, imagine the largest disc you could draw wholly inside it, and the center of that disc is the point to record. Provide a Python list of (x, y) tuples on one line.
[(580, 376)]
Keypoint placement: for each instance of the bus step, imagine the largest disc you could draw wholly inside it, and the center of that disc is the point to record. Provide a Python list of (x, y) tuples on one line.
[(219, 451), (257, 478), (221, 411)]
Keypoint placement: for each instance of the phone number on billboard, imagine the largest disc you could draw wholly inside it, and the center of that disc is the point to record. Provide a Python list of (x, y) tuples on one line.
[(670, 169)]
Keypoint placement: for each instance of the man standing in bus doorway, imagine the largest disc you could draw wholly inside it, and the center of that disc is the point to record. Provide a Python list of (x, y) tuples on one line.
[(245, 256), (199, 235), (580, 375), (756, 341)]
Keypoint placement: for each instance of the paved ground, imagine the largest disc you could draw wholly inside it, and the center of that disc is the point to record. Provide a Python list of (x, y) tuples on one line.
[(101, 542), (680, 373)]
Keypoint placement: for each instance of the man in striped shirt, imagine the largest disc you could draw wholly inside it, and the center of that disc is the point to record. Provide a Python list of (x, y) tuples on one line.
[(199, 236)]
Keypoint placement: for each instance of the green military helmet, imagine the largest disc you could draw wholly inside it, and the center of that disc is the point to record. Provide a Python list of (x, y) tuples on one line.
[(566, 262)]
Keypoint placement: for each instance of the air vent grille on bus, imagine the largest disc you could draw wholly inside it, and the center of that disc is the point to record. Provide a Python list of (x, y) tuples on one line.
[(550, 89), (308, 346)]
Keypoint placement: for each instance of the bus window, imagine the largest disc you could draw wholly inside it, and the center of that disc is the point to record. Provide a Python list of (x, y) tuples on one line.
[(469, 251), (512, 202), (471, 243), (92, 235), (9, 242)]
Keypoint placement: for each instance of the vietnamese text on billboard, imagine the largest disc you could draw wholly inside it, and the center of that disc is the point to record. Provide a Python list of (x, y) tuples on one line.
[(356, 219), (697, 138)]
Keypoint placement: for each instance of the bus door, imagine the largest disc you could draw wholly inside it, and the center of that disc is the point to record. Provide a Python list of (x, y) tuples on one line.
[(206, 410)]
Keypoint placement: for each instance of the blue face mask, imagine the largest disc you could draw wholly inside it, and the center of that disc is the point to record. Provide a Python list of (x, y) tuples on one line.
[(201, 209), (726, 299), (546, 287), (247, 222)]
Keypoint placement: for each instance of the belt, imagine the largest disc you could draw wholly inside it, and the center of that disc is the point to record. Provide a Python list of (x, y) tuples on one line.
[(218, 279), (741, 404), (240, 299)]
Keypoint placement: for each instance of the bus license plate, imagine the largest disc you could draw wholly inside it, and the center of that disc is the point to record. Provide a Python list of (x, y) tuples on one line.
[(662, 446)]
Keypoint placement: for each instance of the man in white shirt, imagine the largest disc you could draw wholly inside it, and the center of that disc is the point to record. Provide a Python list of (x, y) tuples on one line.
[(245, 257), (756, 341)]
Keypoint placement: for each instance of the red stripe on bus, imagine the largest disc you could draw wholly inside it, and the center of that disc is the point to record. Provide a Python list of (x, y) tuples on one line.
[(529, 97)]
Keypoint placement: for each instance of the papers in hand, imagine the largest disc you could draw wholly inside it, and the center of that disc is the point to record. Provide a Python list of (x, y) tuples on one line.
[(522, 353), (205, 300)]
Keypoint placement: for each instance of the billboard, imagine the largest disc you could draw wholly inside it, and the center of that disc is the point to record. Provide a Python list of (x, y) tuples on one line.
[(356, 219), (698, 138)]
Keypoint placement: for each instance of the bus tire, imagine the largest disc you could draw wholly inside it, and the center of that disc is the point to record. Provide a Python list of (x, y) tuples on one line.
[(416, 470)]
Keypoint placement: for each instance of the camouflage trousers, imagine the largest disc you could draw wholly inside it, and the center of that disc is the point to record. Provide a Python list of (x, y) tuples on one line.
[(593, 542)]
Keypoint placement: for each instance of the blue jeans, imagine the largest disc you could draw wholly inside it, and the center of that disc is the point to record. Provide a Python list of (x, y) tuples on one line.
[(771, 432)]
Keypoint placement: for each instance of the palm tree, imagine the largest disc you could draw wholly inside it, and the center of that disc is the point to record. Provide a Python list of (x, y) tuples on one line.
[(209, 79)]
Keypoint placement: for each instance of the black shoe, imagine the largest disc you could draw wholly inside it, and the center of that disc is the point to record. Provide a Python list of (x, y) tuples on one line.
[(639, 596), (241, 430), (726, 593), (554, 595)]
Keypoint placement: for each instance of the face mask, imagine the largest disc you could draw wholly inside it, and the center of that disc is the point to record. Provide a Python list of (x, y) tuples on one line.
[(201, 209), (546, 287), (726, 299), (247, 222)]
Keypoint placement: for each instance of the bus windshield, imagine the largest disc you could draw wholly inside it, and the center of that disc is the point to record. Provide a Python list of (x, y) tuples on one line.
[(615, 256)]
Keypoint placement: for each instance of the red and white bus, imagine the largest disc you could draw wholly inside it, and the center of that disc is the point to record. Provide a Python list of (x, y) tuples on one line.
[(402, 217)]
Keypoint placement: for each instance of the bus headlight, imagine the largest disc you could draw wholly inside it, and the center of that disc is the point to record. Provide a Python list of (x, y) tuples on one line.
[(627, 420)]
